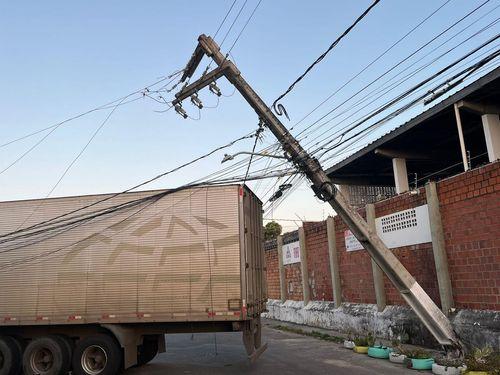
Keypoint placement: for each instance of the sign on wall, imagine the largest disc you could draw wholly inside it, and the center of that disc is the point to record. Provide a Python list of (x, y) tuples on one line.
[(404, 228), (351, 242), (291, 253)]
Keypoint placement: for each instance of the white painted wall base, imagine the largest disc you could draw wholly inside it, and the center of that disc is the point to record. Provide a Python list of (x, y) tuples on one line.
[(475, 327)]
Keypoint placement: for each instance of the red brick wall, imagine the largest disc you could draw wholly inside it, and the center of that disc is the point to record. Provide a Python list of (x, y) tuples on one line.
[(293, 278), (356, 277), (272, 273), (470, 211)]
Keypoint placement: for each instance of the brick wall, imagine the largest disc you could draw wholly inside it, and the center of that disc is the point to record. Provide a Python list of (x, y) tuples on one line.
[(320, 278), (272, 273), (470, 210)]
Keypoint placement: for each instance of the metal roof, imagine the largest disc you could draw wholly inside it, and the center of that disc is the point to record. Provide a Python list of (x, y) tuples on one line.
[(432, 134)]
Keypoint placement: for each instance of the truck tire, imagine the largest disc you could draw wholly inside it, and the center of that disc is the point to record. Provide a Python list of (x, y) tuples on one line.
[(10, 356), (97, 355), (46, 355), (147, 351)]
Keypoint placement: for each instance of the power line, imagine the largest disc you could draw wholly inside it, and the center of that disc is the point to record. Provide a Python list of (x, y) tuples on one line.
[(371, 63), (397, 64), (244, 26), (59, 218), (225, 17), (321, 57)]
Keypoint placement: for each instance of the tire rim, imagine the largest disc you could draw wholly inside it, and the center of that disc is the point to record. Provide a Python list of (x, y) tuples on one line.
[(94, 360), (41, 360)]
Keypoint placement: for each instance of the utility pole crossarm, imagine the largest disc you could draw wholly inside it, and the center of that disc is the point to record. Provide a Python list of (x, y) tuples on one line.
[(433, 318)]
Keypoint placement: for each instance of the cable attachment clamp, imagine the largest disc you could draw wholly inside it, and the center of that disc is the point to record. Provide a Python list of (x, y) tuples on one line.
[(326, 192)]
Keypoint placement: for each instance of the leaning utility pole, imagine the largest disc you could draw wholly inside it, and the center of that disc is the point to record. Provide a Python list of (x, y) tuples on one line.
[(433, 318)]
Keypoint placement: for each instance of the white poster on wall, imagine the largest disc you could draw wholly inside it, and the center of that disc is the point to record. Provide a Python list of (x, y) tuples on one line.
[(291, 253), (351, 242)]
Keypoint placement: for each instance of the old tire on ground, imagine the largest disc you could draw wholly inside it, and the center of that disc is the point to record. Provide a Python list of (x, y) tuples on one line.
[(97, 355), (46, 356), (10, 356), (148, 350)]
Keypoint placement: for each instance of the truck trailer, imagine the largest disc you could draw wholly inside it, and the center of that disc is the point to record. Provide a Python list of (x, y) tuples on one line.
[(91, 284)]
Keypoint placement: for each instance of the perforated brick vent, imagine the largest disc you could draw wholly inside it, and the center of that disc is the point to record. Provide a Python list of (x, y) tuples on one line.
[(399, 220)]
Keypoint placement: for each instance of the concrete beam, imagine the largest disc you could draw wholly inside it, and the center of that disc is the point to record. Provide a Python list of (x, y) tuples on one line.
[(478, 108), (439, 249), (378, 276), (491, 126), (306, 292), (281, 268), (334, 261), (400, 175), (401, 154)]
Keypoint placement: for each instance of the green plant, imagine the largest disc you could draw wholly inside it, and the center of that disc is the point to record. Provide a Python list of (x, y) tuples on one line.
[(484, 359), (417, 354), (367, 340), (272, 230), (449, 362)]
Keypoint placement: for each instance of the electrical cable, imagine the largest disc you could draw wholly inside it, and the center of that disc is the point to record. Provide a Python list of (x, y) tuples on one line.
[(320, 58)]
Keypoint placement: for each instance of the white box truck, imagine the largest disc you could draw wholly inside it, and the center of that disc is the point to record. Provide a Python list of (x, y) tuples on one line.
[(92, 283)]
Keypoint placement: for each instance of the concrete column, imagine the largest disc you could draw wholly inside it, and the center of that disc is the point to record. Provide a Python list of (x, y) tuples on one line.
[(281, 267), (438, 248), (303, 267), (334, 261), (378, 276), (461, 137), (400, 175), (491, 126)]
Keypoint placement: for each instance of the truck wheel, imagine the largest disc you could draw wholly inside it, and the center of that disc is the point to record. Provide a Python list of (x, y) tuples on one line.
[(10, 356), (46, 356), (147, 351), (99, 354)]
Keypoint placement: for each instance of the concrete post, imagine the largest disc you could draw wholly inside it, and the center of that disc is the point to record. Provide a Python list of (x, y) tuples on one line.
[(491, 126), (378, 276), (334, 261), (461, 137), (438, 248), (281, 267), (400, 175), (303, 267), (344, 190)]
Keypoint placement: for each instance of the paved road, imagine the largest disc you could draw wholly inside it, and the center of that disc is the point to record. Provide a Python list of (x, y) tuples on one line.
[(288, 353)]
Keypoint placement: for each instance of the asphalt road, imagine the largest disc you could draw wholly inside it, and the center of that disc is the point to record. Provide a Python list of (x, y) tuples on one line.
[(288, 353)]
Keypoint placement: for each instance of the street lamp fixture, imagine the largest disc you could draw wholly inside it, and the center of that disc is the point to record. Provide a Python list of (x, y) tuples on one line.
[(228, 157)]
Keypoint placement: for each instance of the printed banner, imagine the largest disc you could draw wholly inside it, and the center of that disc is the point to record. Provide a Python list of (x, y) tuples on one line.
[(291, 253)]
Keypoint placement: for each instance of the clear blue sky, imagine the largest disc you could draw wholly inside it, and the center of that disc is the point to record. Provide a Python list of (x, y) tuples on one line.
[(61, 58)]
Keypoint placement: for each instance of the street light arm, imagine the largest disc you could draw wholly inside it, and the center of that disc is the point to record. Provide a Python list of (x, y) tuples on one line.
[(231, 157)]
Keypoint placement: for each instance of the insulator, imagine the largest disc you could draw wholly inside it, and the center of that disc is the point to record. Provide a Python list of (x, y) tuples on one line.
[(180, 111), (196, 101), (213, 88)]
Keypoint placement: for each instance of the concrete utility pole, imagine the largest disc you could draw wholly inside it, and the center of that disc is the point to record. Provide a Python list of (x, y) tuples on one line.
[(434, 319)]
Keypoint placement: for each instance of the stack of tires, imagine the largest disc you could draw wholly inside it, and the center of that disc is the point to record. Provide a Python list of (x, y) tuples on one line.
[(98, 354)]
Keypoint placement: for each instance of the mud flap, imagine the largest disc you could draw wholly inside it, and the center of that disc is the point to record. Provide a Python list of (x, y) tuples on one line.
[(252, 339)]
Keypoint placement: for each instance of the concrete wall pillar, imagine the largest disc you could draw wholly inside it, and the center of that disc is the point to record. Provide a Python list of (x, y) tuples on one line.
[(334, 261), (303, 267), (439, 249), (378, 275), (281, 268), (400, 175), (491, 126)]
